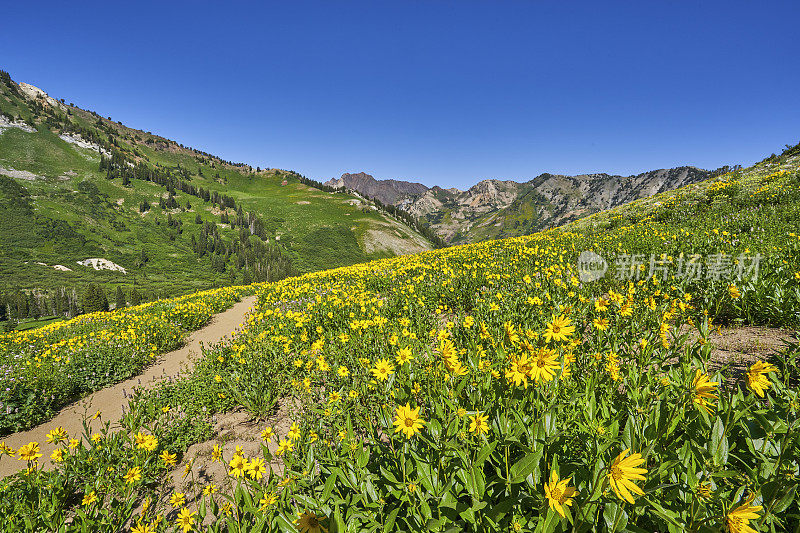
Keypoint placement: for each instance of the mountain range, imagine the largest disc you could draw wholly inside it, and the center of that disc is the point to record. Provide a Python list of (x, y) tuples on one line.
[(86, 199), (494, 208)]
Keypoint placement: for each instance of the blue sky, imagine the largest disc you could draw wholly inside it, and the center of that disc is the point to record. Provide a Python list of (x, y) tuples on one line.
[(440, 92)]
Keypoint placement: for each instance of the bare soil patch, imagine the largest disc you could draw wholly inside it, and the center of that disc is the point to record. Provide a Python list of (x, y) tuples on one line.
[(737, 348), (231, 431), (743, 346)]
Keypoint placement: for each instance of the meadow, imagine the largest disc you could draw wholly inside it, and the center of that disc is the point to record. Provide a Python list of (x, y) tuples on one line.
[(496, 386), (43, 369)]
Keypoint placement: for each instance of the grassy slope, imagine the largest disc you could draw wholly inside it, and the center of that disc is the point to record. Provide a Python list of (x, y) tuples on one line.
[(317, 229)]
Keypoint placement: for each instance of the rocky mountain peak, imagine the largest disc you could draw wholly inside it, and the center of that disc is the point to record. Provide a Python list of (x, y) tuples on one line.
[(500, 208), (389, 192)]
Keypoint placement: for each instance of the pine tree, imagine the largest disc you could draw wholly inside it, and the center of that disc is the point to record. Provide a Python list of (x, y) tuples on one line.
[(94, 299), (119, 296), (33, 306), (136, 299), (101, 296), (22, 306), (90, 299)]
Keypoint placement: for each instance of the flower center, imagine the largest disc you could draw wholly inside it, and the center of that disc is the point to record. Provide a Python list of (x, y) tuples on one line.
[(616, 473), (409, 422)]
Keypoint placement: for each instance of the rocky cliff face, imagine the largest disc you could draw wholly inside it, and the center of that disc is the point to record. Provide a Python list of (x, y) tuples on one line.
[(483, 197), (499, 208), (389, 192)]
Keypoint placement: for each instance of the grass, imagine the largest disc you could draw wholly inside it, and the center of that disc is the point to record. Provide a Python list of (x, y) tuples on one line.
[(456, 390), (33, 323), (75, 192)]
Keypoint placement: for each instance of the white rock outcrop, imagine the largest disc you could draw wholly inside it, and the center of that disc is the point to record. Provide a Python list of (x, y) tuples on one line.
[(100, 263)]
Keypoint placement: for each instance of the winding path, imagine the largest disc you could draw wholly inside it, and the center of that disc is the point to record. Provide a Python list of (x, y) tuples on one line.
[(112, 400)]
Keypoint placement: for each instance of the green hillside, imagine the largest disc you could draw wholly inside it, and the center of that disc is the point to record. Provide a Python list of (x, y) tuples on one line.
[(77, 186), (468, 389)]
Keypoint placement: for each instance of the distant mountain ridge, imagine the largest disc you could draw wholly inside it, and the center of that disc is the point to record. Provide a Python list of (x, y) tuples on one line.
[(495, 208), (387, 191)]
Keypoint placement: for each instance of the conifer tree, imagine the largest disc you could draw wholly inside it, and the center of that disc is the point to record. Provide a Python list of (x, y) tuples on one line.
[(33, 306), (22, 305), (119, 297), (101, 297), (94, 299), (90, 299)]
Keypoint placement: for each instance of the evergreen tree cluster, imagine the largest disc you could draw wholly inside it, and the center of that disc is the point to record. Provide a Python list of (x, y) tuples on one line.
[(176, 178), (95, 299), (62, 302), (257, 259), (5, 78), (18, 305), (313, 183), (725, 169)]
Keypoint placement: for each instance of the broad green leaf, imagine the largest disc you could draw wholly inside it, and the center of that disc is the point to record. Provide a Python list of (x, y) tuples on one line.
[(329, 484), (522, 468)]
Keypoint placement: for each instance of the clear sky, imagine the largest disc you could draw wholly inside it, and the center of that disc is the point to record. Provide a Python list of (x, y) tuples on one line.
[(440, 92)]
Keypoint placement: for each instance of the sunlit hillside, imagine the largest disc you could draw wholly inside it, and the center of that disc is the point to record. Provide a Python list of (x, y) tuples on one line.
[(564, 381), (85, 199)]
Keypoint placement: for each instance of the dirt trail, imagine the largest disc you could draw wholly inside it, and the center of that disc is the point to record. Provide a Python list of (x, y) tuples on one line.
[(112, 400)]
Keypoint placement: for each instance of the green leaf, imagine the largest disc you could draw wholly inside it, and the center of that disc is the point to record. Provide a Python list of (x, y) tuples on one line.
[(719, 443), (525, 466), (369, 488), (284, 523), (426, 510), (671, 517), (549, 524), (389, 476), (629, 434), (336, 523), (480, 482), (329, 484), (425, 475), (389, 525), (784, 502), (433, 525), (615, 516), (435, 428), (485, 452), (362, 457), (496, 512)]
